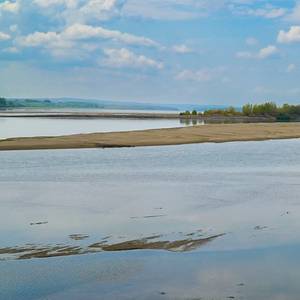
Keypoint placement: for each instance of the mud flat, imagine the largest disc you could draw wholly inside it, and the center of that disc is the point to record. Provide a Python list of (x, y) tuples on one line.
[(148, 243), (217, 133)]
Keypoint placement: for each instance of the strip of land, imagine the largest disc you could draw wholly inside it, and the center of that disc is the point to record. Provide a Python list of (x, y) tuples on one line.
[(88, 115), (133, 115), (216, 133)]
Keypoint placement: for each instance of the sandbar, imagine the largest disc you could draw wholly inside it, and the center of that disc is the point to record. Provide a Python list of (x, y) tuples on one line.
[(216, 133)]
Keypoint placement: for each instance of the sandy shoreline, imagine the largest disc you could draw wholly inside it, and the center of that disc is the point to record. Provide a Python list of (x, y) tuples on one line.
[(216, 133)]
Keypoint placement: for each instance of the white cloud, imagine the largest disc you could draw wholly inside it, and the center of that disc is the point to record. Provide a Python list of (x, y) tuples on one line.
[(251, 41), (119, 58), (13, 28), (82, 11), (52, 42), (4, 36), (290, 68), (201, 75), (270, 13), (295, 14), (81, 31), (267, 52), (182, 49), (191, 9), (11, 50), (78, 32), (99, 9), (171, 9), (49, 3), (39, 39), (291, 36), (10, 6), (245, 54), (245, 8), (79, 40), (263, 53)]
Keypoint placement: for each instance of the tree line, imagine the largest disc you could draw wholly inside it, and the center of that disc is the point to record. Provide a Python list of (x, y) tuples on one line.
[(3, 102), (286, 112)]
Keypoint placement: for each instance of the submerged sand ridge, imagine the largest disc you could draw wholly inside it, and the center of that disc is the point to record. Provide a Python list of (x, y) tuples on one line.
[(30, 251), (156, 137)]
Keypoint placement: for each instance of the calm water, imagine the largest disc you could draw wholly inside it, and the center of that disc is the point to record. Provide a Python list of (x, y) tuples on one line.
[(26, 127), (247, 191)]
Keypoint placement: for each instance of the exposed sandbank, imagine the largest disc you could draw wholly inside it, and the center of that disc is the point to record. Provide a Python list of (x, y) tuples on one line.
[(148, 243), (217, 133)]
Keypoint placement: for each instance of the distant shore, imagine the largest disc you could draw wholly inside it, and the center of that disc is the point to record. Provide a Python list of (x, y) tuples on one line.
[(132, 115), (216, 133)]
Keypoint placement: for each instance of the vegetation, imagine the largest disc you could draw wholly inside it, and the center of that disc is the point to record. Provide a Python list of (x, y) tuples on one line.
[(282, 113), (44, 104), (285, 112), (230, 111), (2, 102)]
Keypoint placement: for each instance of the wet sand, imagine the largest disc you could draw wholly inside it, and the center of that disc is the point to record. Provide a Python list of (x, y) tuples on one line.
[(148, 243), (217, 133)]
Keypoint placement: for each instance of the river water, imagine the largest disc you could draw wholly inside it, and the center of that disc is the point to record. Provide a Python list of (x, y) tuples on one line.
[(28, 127), (206, 221)]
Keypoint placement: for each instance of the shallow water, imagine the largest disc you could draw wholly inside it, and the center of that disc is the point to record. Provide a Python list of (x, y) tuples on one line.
[(75, 198), (28, 127)]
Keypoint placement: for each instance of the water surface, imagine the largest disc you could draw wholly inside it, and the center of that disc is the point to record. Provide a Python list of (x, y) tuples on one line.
[(28, 127), (76, 198)]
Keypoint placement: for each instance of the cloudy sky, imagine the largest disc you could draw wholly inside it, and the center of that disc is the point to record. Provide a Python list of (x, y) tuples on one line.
[(185, 51)]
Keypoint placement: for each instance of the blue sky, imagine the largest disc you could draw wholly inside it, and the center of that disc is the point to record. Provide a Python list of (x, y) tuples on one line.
[(184, 51)]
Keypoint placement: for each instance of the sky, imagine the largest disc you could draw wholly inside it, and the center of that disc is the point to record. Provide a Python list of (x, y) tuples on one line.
[(160, 51)]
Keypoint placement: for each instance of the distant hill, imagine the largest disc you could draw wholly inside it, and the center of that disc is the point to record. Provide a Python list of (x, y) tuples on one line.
[(78, 103)]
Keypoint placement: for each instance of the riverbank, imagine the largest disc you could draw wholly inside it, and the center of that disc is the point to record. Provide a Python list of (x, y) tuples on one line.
[(216, 133), (133, 115)]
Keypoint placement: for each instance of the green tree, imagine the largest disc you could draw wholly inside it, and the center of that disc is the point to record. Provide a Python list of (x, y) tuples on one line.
[(248, 109), (231, 110), (3, 102)]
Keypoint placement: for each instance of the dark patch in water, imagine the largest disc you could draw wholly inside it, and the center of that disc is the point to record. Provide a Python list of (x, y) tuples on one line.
[(103, 146), (286, 213), (149, 217), (260, 227), (147, 244), (190, 234), (150, 243), (78, 237), (39, 223)]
